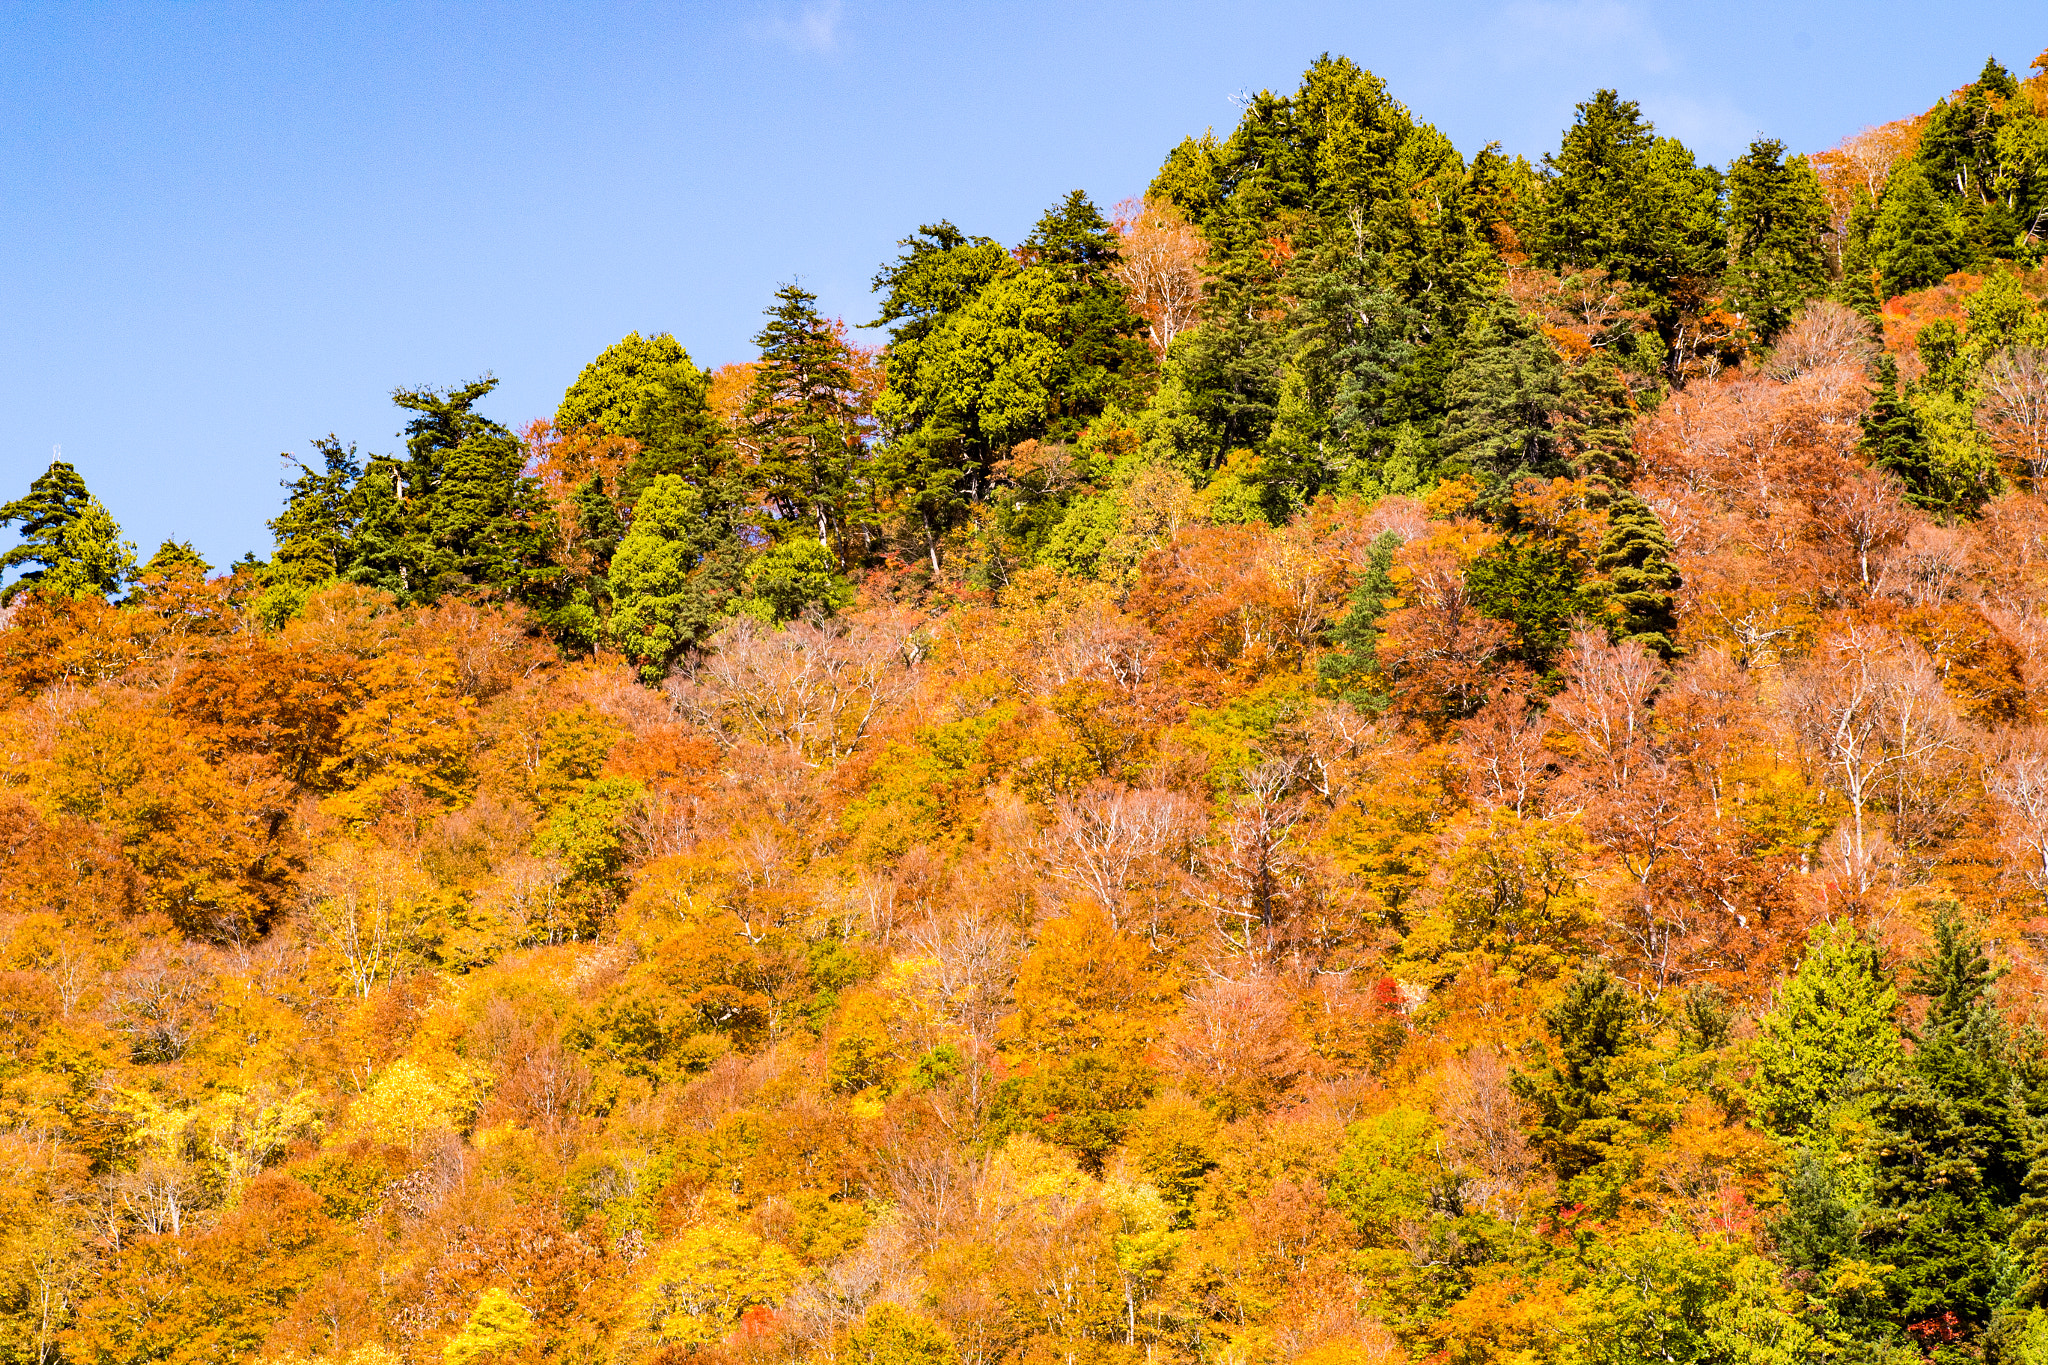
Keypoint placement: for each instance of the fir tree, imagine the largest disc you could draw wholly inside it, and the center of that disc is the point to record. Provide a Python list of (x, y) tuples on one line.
[(56, 499), (1103, 356), (1777, 216), (1592, 1027), (1952, 1155), (1914, 240), (1351, 667), (1500, 399), (176, 559), (803, 421), (1640, 584), (1892, 439)]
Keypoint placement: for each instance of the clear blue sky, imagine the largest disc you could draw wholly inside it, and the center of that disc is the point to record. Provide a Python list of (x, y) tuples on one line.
[(230, 228)]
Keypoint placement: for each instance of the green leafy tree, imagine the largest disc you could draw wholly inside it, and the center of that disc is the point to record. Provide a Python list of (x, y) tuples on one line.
[(1829, 1038), (889, 1335), (672, 573), (1777, 218), (649, 390)]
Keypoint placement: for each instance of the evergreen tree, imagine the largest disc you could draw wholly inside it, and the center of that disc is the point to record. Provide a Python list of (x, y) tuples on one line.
[(1641, 585), (315, 533), (1828, 1038), (1915, 240), (803, 420), (649, 390), (1500, 398), (1892, 439), (92, 560), (1597, 423), (56, 499), (1619, 198), (1103, 357), (1952, 1156), (1591, 1027), (472, 516), (68, 535), (176, 559), (1777, 217), (1352, 665)]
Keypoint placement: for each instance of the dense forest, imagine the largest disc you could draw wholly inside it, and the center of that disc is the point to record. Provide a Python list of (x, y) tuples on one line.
[(1372, 756)]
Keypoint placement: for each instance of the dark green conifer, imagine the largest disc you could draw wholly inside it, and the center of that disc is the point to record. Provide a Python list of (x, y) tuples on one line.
[(1777, 217), (1952, 1156), (1641, 584), (56, 500)]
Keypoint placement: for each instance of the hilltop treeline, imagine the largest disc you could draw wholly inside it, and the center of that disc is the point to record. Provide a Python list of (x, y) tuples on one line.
[(1371, 756)]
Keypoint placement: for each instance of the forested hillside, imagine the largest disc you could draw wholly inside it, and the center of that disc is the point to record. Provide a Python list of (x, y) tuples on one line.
[(1366, 757)]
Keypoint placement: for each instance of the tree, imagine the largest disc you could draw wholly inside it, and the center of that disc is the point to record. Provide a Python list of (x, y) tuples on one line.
[(68, 535), (1914, 238), (1829, 1038), (2014, 409), (1591, 1027), (803, 421), (1159, 264), (889, 1335), (499, 1330), (1892, 439), (56, 499), (1088, 1007), (1619, 198), (1641, 585), (1499, 400), (670, 574), (1777, 217), (647, 390), (1103, 358), (473, 516), (1952, 1158)]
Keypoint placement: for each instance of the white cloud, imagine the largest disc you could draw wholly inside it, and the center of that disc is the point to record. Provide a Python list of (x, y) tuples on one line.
[(1550, 31), (815, 27)]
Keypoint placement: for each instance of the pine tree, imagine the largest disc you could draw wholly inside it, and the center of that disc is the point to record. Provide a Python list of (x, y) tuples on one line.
[(1777, 216), (1641, 585), (1951, 1159), (56, 499), (803, 420)]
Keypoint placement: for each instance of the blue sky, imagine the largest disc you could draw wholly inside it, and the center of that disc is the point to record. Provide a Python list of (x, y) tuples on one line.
[(230, 228)]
